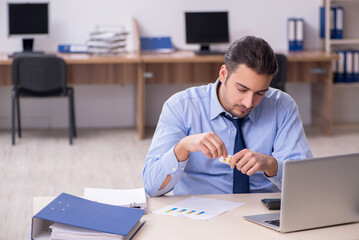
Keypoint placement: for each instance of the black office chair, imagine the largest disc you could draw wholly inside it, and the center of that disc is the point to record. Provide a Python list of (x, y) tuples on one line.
[(40, 75), (279, 79)]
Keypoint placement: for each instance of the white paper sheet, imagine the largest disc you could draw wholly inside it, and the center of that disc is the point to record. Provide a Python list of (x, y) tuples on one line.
[(120, 197), (198, 208)]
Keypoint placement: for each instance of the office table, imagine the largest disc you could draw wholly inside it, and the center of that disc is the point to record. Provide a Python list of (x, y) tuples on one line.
[(314, 67), (94, 69), (229, 225), (180, 67)]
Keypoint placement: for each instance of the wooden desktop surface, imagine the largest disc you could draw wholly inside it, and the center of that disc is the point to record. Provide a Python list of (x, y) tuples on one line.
[(179, 67), (229, 225)]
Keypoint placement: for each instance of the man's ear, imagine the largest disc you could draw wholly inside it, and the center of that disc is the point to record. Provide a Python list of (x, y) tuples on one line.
[(223, 72)]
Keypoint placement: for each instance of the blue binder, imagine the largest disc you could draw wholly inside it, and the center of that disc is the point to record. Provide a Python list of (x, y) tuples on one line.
[(299, 34), (348, 66), (356, 66), (79, 212), (73, 48), (341, 67), (291, 34), (159, 44), (338, 23), (295, 34)]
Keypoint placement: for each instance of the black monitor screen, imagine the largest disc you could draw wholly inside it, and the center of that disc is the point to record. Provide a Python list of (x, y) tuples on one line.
[(207, 27), (28, 18)]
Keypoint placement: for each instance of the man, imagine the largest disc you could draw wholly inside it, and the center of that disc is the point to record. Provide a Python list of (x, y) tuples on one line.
[(199, 125)]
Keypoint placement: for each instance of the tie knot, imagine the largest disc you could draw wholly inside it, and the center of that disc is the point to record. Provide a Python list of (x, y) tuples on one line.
[(236, 121)]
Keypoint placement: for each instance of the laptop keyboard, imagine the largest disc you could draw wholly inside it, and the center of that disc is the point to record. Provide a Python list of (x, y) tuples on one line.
[(274, 222)]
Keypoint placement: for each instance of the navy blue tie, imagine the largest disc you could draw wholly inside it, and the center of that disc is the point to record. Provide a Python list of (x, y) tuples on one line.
[(240, 180)]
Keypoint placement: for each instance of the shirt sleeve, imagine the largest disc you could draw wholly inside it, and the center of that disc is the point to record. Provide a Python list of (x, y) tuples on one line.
[(161, 160), (290, 142)]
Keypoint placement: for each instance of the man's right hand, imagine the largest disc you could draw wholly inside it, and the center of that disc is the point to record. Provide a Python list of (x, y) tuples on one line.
[(208, 143)]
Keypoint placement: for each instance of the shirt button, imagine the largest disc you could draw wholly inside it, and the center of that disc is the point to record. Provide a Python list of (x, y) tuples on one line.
[(182, 168), (233, 132), (174, 169)]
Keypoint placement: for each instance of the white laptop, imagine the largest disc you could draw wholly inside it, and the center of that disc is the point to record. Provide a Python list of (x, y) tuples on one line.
[(316, 192)]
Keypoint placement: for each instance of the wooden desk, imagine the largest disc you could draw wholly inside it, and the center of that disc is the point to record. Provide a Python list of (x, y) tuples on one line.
[(313, 67), (90, 69), (229, 225), (185, 67)]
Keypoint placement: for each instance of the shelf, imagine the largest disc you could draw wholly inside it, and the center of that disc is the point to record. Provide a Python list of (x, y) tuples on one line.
[(344, 41), (346, 85)]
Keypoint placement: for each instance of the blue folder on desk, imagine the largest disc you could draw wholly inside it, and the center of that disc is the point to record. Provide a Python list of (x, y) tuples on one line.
[(157, 44), (79, 212)]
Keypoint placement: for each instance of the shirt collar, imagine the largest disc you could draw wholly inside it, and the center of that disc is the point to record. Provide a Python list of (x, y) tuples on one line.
[(217, 109)]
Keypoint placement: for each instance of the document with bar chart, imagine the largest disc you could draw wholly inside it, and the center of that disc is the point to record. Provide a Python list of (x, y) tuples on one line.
[(198, 208)]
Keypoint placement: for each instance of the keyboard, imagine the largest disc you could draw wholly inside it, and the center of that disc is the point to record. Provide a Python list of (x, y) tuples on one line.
[(275, 222), (210, 53)]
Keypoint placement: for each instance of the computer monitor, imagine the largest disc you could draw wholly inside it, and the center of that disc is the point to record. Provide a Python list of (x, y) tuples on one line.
[(28, 21), (206, 28)]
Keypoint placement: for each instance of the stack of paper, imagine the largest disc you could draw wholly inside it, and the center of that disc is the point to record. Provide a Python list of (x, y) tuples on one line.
[(122, 197), (107, 40), (61, 231)]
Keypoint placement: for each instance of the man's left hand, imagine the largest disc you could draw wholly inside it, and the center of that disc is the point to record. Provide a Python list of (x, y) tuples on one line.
[(249, 162)]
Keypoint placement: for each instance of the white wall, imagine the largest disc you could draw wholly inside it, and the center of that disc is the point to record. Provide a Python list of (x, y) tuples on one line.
[(106, 106)]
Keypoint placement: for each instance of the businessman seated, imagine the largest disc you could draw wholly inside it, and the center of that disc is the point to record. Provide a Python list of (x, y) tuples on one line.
[(238, 115)]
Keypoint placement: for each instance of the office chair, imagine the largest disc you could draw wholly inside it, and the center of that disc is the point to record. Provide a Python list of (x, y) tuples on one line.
[(39, 75), (279, 79)]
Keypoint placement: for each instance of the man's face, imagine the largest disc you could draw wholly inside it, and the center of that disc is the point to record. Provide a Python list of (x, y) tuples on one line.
[(242, 91)]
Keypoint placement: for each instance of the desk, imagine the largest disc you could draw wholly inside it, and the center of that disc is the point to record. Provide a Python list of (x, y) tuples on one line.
[(309, 66), (91, 69), (185, 67), (229, 225)]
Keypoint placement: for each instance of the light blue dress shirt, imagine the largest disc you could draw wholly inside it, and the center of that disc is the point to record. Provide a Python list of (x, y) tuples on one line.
[(273, 128)]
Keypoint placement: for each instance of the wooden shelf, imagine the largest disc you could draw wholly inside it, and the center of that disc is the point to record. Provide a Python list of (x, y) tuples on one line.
[(346, 85), (344, 41)]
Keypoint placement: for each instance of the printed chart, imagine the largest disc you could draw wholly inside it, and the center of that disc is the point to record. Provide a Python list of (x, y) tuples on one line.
[(198, 208)]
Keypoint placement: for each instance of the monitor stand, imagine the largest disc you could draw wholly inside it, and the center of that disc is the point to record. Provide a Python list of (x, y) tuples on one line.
[(27, 48), (27, 44), (205, 50)]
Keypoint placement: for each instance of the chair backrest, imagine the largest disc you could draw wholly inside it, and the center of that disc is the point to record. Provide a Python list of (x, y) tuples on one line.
[(279, 79), (39, 73)]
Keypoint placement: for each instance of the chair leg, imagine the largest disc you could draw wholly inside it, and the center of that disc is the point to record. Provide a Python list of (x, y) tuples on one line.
[(18, 114), (73, 113), (71, 127), (13, 105)]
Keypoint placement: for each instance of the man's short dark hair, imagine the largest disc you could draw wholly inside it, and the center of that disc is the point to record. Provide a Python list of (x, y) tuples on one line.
[(254, 52)]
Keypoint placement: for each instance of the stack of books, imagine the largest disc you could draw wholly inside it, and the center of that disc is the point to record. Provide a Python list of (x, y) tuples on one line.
[(107, 40)]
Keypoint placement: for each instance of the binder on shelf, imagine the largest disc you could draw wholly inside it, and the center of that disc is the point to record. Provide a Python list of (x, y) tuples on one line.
[(341, 66), (339, 20), (73, 48), (156, 44), (335, 70), (83, 216), (356, 66), (332, 22), (348, 66), (336, 22)]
